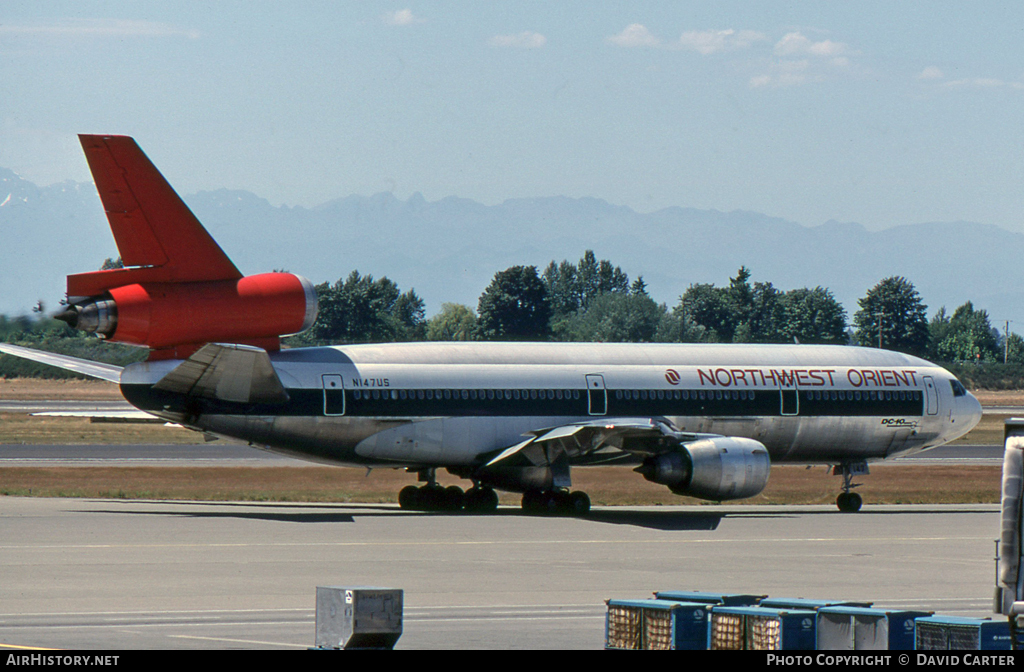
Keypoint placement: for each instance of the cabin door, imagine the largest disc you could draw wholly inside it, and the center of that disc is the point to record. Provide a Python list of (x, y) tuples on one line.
[(597, 395), (334, 394), (931, 396)]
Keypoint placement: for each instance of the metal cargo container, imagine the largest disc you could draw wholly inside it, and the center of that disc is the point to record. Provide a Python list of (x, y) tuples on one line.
[(761, 629), (950, 633), (656, 625), (726, 599), (843, 628), (802, 603), (358, 617)]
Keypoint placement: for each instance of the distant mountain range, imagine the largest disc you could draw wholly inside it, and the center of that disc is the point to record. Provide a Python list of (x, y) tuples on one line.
[(448, 250)]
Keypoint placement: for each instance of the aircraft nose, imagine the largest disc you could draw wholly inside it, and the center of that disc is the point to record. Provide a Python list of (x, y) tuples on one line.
[(971, 411)]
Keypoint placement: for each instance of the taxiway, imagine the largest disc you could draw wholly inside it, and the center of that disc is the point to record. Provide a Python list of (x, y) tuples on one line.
[(116, 574)]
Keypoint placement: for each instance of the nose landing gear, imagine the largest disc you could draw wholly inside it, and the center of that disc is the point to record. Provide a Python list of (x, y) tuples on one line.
[(849, 501)]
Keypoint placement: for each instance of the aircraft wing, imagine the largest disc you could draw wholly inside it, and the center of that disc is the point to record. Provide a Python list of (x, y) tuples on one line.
[(612, 436), (228, 372), (84, 366)]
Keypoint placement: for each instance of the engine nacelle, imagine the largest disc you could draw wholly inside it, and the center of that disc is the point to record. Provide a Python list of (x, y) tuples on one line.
[(717, 468), (164, 314)]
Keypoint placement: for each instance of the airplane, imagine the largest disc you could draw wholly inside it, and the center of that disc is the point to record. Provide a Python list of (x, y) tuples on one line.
[(705, 420)]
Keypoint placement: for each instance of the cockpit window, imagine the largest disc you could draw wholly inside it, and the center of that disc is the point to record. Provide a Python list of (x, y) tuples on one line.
[(958, 389)]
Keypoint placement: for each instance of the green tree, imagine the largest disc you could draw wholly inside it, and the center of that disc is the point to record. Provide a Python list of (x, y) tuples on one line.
[(712, 308), (966, 336), (813, 316), (894, 308), (515, 306), (363, 310), (614, 317), (1014, 350), (455, 322), (571, 288)]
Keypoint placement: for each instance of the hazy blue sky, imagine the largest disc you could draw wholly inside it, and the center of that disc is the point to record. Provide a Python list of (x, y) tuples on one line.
[(881, 113)]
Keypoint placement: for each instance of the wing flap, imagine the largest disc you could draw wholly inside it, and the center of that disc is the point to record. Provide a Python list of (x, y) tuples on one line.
[(584, 438), (227, 372)]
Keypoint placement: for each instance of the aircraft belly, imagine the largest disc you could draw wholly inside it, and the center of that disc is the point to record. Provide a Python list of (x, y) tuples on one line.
[(806, 439), (454, 441), (330, 440)]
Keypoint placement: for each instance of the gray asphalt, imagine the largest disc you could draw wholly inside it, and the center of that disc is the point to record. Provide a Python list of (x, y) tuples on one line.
[(129, 574)]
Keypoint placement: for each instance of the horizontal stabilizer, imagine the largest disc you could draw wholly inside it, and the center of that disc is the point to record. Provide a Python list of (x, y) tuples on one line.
[(237, 373), (84, 366)]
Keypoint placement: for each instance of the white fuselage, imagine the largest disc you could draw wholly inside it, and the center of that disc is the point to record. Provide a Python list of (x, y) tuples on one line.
[(454, 404)]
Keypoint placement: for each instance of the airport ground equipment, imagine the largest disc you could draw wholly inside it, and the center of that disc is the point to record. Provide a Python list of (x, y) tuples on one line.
[(804, 603), (659, 625), (358, 617), (724, 599), (850, 628), (761, 629), (952, 633), (1009, 593)]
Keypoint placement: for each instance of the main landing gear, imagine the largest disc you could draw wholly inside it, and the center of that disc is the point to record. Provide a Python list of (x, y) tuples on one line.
[(557, 502), (849, 501), (436, 497), (483, 499)]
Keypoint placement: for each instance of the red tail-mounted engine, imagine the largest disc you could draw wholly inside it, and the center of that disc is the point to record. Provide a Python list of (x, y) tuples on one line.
[(177, 318), (178, 290)]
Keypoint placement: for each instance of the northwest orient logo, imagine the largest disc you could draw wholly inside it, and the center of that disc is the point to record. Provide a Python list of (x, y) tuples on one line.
[(672, 376)]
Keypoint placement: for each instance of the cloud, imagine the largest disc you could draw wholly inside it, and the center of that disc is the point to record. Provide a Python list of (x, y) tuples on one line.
[(796, 43), (702, 41), (401, 17), (101, 28), (635, 35), (711, 41), (799, 60), (786, 73), (523, 40), (931, 72), (982, 83)]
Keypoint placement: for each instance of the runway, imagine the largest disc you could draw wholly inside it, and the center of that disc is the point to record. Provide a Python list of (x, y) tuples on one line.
[(117, 574)]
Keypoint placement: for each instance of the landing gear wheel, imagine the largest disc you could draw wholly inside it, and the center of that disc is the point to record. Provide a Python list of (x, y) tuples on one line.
[(534, 501), (409, 497), (579, 503), (849, 502), (454, 498), (432, 498), (556, 502), (480, 500)]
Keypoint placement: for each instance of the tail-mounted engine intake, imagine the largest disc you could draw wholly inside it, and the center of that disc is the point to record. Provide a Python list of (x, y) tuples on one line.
[(161, 315), (718, 468)]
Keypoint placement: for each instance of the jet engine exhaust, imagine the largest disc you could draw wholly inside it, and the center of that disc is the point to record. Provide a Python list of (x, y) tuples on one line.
[(95, 317)]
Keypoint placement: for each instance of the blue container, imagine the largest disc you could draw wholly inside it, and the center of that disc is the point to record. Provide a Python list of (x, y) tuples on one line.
[(656, 625), (802, 603), (841, 628), (761, 629), (951, 633), (725, 599)]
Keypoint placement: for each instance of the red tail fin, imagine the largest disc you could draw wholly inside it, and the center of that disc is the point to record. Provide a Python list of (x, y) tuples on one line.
[(152, 226)]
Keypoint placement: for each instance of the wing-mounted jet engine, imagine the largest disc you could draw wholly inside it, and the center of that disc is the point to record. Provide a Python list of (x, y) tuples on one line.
[(705, 466), (717, 468), (178, 289)]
